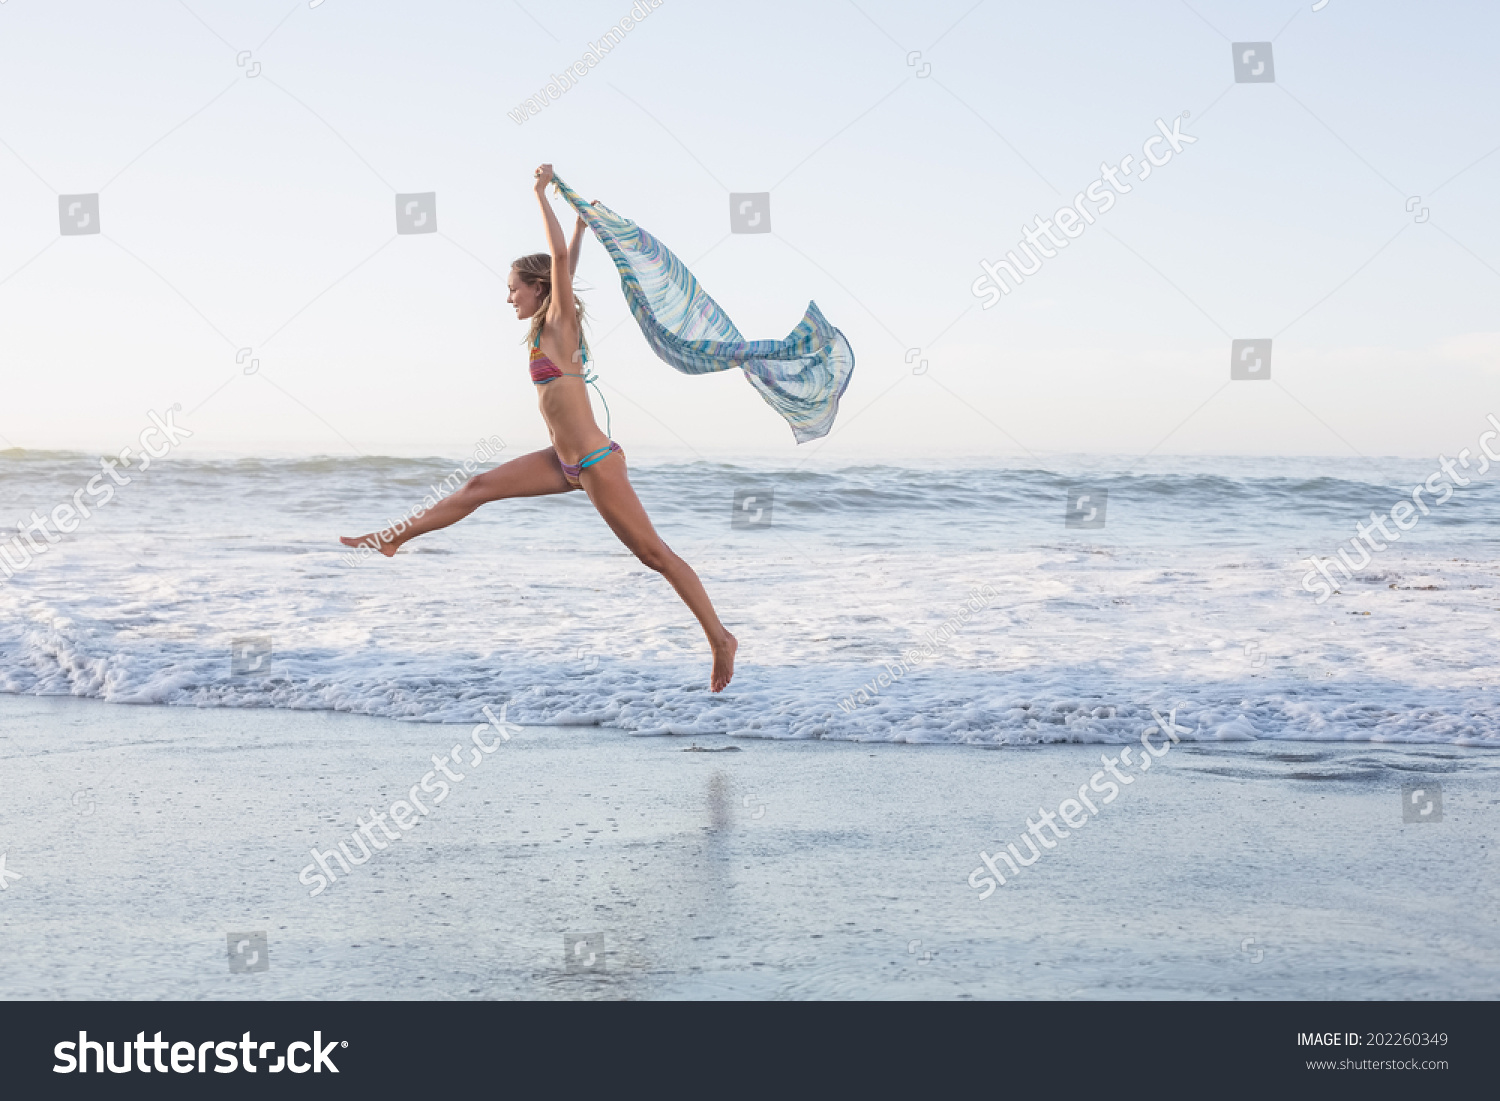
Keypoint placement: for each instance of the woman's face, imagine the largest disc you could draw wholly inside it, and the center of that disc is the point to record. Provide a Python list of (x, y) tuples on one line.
[(525, 297)]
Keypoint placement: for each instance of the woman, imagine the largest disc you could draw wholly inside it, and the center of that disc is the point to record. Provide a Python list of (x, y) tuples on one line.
[(581, 456)]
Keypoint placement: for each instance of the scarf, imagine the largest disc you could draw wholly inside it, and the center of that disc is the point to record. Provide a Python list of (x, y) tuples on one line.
[(801, 377)]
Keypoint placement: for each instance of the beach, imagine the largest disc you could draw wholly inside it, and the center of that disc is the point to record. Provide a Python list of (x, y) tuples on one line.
[(715, 867), (240, 762)]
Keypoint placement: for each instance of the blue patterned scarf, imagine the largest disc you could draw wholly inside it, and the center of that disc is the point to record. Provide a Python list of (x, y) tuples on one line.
[(801, 377)]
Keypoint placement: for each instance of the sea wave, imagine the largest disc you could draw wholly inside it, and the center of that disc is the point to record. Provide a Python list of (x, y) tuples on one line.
[(835, 701), (984, 492), (1190, 597)]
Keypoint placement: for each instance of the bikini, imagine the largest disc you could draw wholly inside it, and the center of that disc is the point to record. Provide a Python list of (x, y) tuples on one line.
[(543, 371)]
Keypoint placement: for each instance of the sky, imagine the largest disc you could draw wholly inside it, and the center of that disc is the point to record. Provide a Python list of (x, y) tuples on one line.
[(247, 267)]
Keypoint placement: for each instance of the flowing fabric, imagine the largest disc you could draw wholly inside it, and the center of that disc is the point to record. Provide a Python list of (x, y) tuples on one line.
[(801, 377)]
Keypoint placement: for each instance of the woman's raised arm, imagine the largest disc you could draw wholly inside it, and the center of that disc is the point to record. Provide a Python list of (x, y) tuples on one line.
[(562, 312), (575, 247)]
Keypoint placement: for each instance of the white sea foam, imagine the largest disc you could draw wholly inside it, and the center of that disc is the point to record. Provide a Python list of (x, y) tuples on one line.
[(1189, 598)]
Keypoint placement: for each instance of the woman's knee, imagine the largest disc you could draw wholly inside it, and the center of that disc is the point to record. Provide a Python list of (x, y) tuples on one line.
[(477, 491), (658, 557)]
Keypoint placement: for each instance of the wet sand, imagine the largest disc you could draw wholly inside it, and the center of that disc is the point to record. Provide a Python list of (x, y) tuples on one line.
[(143, 836)]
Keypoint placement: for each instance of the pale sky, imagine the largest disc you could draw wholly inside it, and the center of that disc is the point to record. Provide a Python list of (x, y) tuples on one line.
[(900, 143)]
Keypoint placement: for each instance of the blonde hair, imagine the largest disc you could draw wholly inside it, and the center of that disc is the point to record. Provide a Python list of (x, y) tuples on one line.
[(535, 270)]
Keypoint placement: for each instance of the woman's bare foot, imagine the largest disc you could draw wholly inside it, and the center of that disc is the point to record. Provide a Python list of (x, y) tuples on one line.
[(386, 547), (724, 661)]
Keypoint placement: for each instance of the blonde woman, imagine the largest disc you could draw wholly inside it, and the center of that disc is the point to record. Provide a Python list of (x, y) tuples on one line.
[(581, 455)]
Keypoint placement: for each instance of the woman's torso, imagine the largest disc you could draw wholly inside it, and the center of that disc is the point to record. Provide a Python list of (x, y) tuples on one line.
[(564, 401)]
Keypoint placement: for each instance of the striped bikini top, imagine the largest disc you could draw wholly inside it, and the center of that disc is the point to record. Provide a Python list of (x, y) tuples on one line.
[(544, 370)]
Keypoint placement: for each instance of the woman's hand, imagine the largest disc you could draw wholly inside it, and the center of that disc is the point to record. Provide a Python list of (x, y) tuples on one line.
[(583, 225), (543, 177)]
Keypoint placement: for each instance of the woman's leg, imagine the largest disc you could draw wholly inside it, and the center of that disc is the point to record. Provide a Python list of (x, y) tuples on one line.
[(608, 486), (533, 475)]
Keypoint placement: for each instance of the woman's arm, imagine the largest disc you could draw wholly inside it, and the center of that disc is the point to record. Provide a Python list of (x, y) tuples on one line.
[(575, 248), (562, 313)]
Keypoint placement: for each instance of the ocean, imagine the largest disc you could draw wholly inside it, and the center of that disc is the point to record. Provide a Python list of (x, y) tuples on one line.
[(977, 603)]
